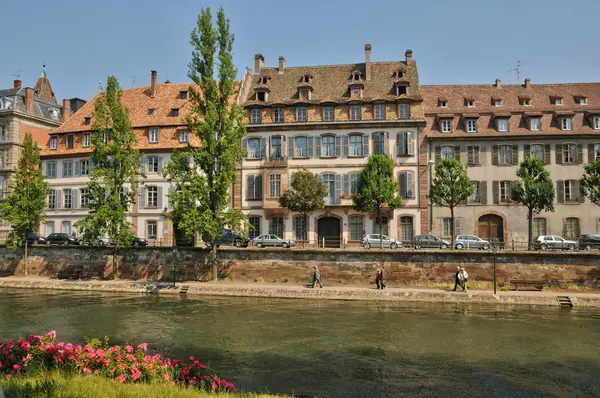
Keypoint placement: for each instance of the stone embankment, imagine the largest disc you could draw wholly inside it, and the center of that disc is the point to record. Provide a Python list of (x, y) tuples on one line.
[(362, 293)]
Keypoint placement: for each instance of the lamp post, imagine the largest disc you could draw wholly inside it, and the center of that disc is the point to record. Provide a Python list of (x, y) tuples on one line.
[(494, 255)]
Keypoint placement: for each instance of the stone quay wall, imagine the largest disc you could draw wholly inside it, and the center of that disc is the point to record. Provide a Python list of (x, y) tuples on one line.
[(295, 265)]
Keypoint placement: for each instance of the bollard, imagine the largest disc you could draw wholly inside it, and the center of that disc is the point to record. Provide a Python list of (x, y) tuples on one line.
[(323, 243), (513, 245)]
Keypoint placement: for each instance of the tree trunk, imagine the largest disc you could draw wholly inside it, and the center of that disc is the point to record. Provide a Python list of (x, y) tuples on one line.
[(25, 259), (380, 229), (451, 224), (305, 231), (530, 234), (213, 261), (114, 262)]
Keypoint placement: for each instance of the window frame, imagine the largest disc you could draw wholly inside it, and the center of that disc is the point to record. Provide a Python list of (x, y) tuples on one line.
[(254, 232), (153, 135), (51, 195), (352, 152), (566, 123), (84, 198), (254, 153), (278, 115), (471, 125), (569, 150), (86, 140), (70, 168), (356, 227), (276, 225), (300, 226), (184, 137), (274, 185), (87, 163), (328, 114), (67, 194), (301, 114), (355, 113), (54, 142), (539, 123), (532, 152), (152, 196), (379, 111), (151, 234), (70, 141), (379, 141), (152, 164), (54, 169), (446, 123), (505, 151), (403, 111), (447, 148), (274, 146), (255, 116), (503, 124), (573, 187), (330, 152), (596, 122), (505, 191), (297, 147)]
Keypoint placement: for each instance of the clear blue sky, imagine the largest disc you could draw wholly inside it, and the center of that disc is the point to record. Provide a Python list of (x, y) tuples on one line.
[(453, 41)]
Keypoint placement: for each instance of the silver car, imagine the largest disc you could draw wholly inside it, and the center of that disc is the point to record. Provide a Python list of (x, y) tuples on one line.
[(471, 242), (272, 240), (374, 240)]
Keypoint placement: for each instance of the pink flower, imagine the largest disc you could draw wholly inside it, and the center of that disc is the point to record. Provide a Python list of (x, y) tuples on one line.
[(165, 376), (129, 349), (96, 371), (51, 334), (143, 347), (214, 385), (16, 367), (192, 358), (86, 371), (121, 379), (136, 376)]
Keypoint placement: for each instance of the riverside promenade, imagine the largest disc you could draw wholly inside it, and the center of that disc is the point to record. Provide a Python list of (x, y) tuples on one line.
[(295, 291)]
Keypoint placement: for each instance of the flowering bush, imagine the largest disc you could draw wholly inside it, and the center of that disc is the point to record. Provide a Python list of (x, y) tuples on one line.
[(352, 195), (124, 364)]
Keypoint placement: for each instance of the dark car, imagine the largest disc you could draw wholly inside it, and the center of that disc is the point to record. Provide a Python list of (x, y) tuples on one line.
[(34, 239), (431, 241), (232, 238), (58, 238), (138, 242), (589, 241)]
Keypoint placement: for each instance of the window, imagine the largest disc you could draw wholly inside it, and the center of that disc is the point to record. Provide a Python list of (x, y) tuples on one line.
[(505, 191), (537, 151), (379, 143), (329, 180), (539, 227), (85, 167), (498, 102), (473, 154), (301, 147), (447, 152), (67, 199), (53, 113), (475, 197), (87, 120), (276, 148), (502, 125), (556, 101), (278, 115), (356, 76), (53, 142), (356, 145), (471, 125), (404, 142), (379, 112), (571, 190), (596, 151), (275, 185), (447, 229), (254, 151), (66, 227), (569, 153), (68, 168), (152, 163), (264, 80), (52, 199), (104, 137), (383, 221), (406, 185), (581, 100), (596, 122), (401, 90), (356, 228), (505, 154), (51, 169), (406, 229), (572, 228), (254, 187), (50, 227), (535, 124), (328, 115), (446, 125), (301, 114), (151, 196), (443, 103), (470, 103), (84, 195), (261, 96), (153, 135), (525, 101), (151, 230), (355, 112), (183, 95), (276, 226), (353, 184), (328, 146), (566, 123), (254, 222), (184, 137), (5, 103), (85, 140), (256, 116), (70, 141), (403, 111), (304, 94), (356, 92), (174, 112), (300, 228), (2, 133)]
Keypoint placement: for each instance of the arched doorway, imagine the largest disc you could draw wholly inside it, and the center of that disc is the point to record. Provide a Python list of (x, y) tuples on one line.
[(329, 228), (491, 227)]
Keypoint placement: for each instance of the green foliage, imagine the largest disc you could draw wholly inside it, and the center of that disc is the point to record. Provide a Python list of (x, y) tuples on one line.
[(307, 194), (116, 174), (204, 175), (591, 181), (24, 207)]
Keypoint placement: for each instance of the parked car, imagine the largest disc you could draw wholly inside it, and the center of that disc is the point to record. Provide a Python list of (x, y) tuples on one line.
[(375, 240), (34, 239), (58, 238), (101, 241), (546, 242), (423, 241), (589, 241), (137, 242), (272, 240), (471, 242), (232, 238)]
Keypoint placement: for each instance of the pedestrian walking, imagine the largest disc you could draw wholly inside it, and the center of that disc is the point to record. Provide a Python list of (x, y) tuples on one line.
[(316, 277), (463, 277), (378, 278), (456, 281), (381, 278)]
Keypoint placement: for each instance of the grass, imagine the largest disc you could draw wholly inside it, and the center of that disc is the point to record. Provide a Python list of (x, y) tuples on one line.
[(60, 385)]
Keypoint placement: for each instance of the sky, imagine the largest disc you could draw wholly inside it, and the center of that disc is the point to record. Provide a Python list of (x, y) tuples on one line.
[(453, 41)]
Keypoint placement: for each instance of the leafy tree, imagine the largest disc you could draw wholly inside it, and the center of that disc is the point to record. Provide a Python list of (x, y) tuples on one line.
[(377, 188), (24, 207), (450, 187), (200, 200), (590, 181), (535, 190), (306, 196), (116, 174)]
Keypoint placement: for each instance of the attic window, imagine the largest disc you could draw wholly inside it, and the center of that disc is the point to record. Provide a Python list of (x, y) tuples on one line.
[(183, 94), (443, 103), (306, 79), (151, 111), (497, 102), (304, 93), (525, 101), (174, 112), (87, 120), (261, 96), (53, 113), (470, 103), (556, 100), (5, 103), (581, 100), (401, 90), (356, 76), (356, 92), (398, 74), (264, 80)]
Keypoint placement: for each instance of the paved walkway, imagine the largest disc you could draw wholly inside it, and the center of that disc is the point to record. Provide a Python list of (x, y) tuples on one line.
[(338, 292)]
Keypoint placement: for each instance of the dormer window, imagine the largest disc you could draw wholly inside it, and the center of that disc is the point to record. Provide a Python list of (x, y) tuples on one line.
[(174, 112), (53, 113), (5, 103), (581, 100), (398, 74), (151, 111), (502, 124), (356, 76), (87, 120), (535, 123), (443, 103), (264, 80), (469, 102), (306, 79), (304, 93), (497, 102), (356, 92), (525, 101), (566, 123), (401, 89), (183, 95), (261, 96), (556, 101)]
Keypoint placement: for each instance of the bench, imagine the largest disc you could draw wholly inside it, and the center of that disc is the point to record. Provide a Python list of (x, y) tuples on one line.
[(537, 285)]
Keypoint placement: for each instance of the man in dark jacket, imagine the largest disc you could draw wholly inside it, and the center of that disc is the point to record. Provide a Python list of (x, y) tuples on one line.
[(381, 278), (316, 277), (456, 281)]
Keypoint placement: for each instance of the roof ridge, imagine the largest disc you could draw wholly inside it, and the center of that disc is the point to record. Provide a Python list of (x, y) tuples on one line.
[(331, 65), (509, 85)]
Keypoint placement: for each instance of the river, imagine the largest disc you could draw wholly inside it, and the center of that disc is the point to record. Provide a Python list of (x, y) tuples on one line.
[(337, 348)]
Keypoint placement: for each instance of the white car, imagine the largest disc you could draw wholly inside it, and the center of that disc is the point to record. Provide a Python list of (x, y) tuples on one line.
[(374, 240), (272, 240)]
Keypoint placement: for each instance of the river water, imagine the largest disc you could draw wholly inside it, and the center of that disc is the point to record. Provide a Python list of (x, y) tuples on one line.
[(337, 348)]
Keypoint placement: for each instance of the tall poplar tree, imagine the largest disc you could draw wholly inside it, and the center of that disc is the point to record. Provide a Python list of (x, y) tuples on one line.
[(24, 207), (116, 173), (377, 189), (204, 175)]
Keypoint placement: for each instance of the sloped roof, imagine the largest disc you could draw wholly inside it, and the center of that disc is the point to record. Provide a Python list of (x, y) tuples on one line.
[(43, 88)]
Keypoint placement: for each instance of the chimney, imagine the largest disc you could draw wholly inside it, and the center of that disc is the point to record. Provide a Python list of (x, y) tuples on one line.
[(368, 61), (17, 84), (259, 63), (408, 55), (281, 64), (498, 83), (527, 83), (153, 84), (66, 110), (29, 99)]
